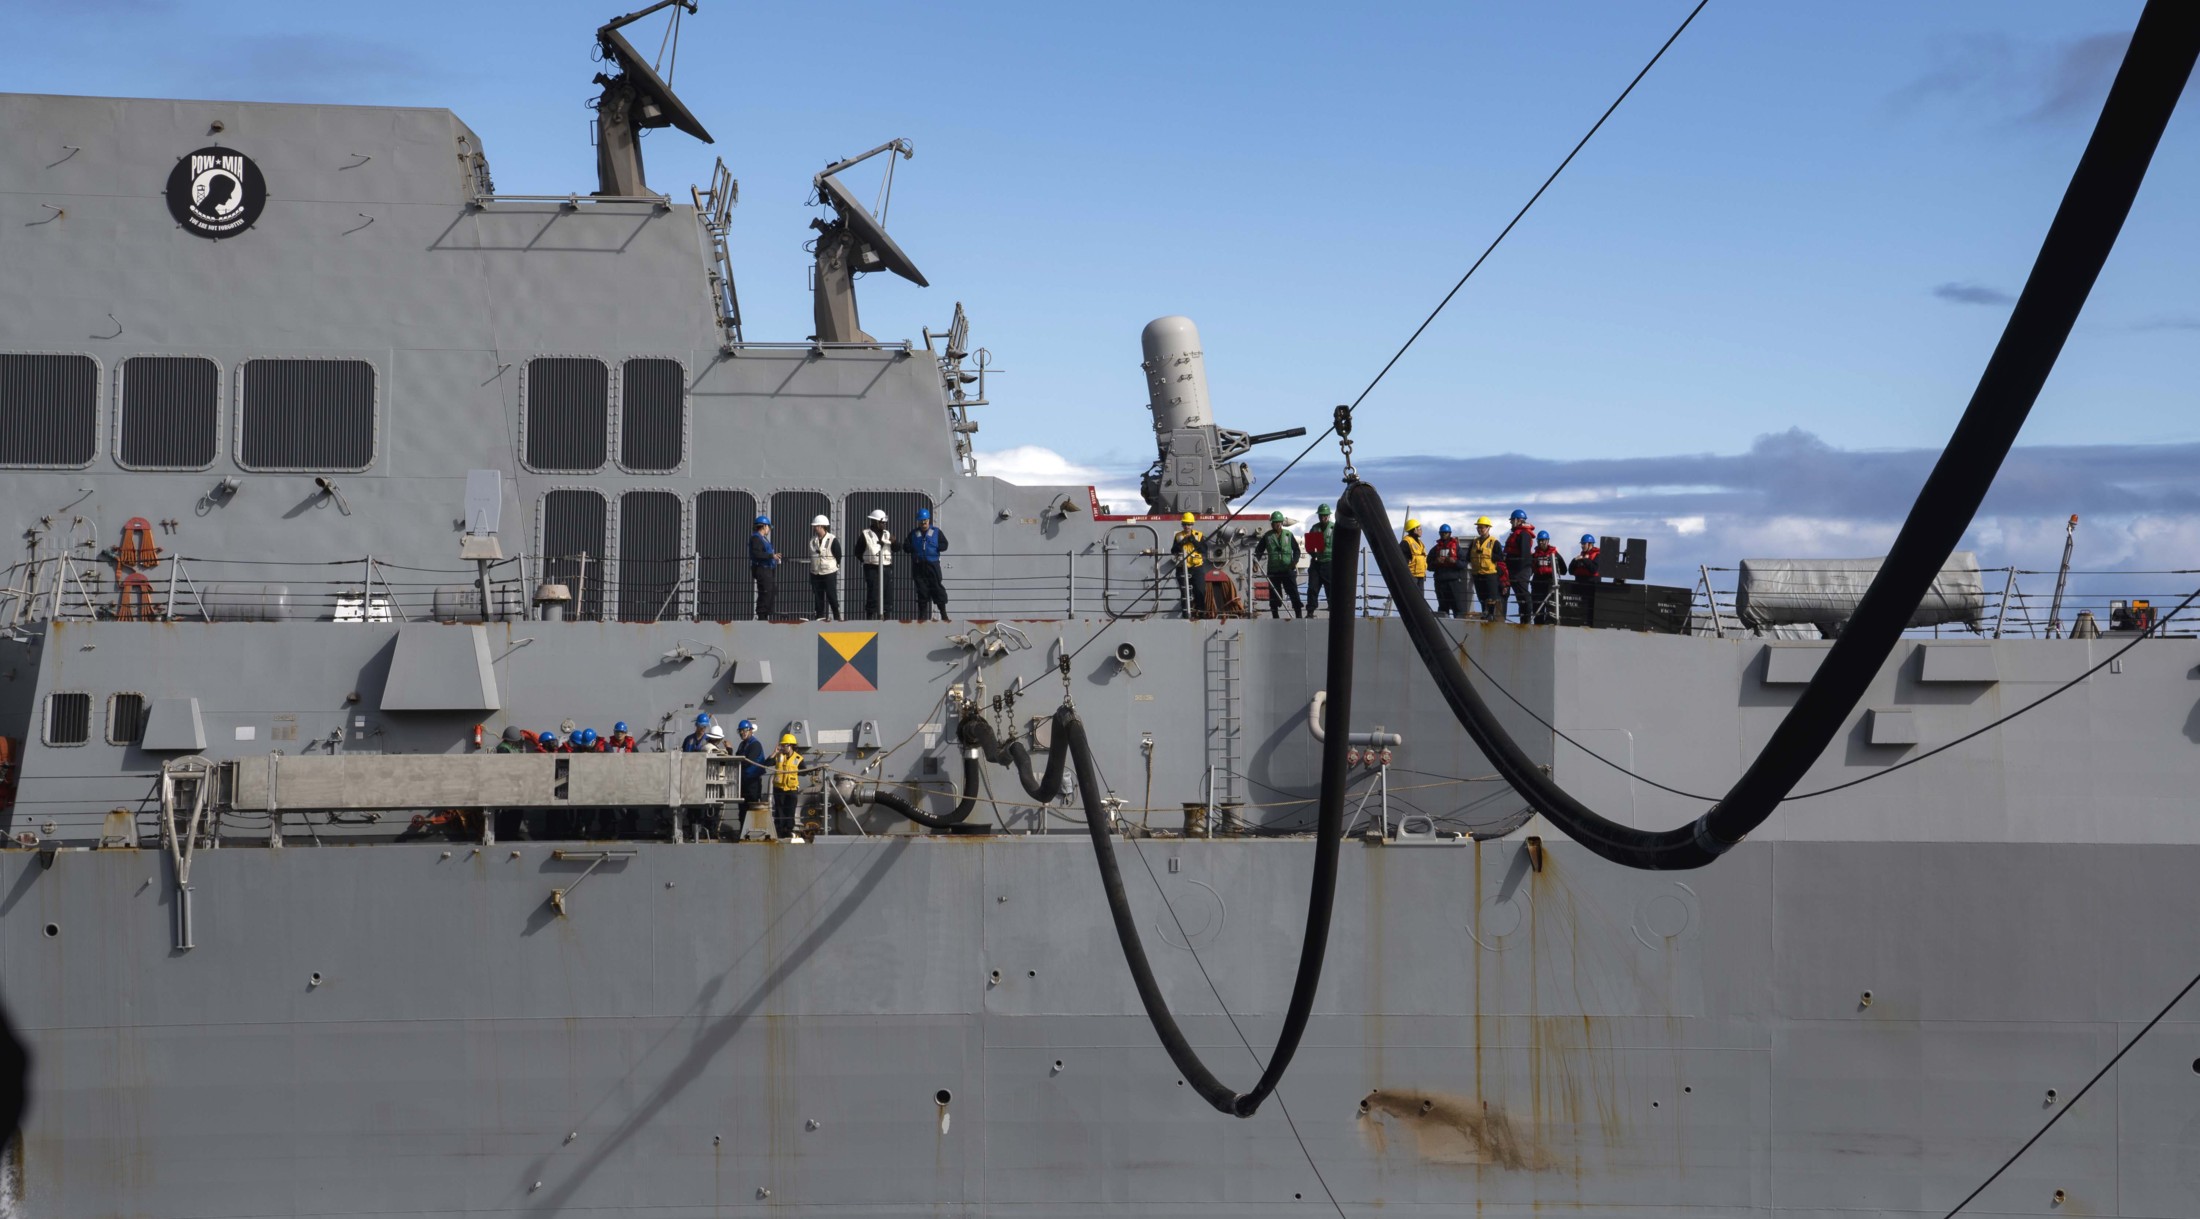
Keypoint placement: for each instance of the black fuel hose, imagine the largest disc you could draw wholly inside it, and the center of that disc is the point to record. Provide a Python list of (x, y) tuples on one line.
[(955, 816), (1321, 898), (974, 731), (2155, 68)]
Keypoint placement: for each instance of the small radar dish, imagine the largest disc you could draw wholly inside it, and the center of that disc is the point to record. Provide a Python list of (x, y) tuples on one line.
[(660, 106), (867, 230)]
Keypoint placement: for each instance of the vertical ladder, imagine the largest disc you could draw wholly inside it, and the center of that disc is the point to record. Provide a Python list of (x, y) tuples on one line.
[(714, 208), (1225, 717)]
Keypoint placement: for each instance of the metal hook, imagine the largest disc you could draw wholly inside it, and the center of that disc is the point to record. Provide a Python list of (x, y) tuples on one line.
[(73, 150), (355, 228), (118, 329), (363, 159)]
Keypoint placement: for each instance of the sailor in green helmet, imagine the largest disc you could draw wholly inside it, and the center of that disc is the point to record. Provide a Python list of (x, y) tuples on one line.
[(1317, 562), (1282, 552)]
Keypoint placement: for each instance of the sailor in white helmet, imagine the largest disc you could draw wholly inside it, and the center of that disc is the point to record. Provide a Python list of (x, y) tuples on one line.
[(875, 547), (825, 569)]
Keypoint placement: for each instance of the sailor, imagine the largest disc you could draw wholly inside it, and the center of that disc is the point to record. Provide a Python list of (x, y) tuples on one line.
[(1548, 566), (714, 741), (1317, 560), (586, 741), (1416, 556), (546, 741), (763, 568), (696, 741), (1584, 570), (620, 740), (786, 785), (875, 547), (1486, 567), (925, 544), (1281, 550), (516, 740), (1450, 568), (824, 570), (751, 753), (1189, 547), (1520, 564)]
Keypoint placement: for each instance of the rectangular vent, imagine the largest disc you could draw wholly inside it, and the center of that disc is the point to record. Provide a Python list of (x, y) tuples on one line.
[(68, 719), (568, 414), (49, 410), (171, 413), (791, 514), (649, 556), (900, 508), (652, 416), (307, 415), (125, 719), (722, 523), (572, 548)]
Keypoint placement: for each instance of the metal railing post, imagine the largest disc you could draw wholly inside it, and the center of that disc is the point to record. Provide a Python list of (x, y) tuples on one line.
[(1711, 599), (2002, 613)]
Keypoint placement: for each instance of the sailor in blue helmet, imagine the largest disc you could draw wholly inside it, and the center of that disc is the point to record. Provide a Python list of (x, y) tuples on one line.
[(925, 545), (1548, 566), (1520, 565), (1448, 563), (753, 770), (1585, 569), (620, 740), (764, 568), (699, 740)]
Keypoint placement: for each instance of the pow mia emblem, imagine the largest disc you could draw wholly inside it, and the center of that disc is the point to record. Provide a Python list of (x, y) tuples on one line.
[(216, 192)]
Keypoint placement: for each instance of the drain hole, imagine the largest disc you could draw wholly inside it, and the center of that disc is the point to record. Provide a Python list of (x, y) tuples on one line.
[(943, 1096), (1688, 1089), (54, 929)]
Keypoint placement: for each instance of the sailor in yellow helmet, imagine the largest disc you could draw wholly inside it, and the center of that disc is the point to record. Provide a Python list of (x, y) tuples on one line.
[(1486, 567), (1416, 553), (1189, 549), (786, 785)]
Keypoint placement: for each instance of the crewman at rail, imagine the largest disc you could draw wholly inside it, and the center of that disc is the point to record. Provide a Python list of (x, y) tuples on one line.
[(1449, 566), (1318, 561), (620, 740), (751, 753), (546, 741), (1189, 548), (516, 740), (824, 571), (1282, 552), (1585, 570), (875, 547), (1486, 567), (697, 741), (1416, 556), (586, 741), (786, 785), (925, 545), (1520, 564), (764, 568), (1548, 566)]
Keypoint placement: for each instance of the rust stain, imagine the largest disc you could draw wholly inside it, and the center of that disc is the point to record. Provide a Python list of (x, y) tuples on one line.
[(1452, 1130)]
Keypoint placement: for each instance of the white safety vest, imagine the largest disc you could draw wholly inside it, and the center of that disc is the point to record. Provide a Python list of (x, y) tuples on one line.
[(876, 548), (822, 562)]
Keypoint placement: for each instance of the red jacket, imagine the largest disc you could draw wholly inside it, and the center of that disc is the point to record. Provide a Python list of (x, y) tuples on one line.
[(1549, 564), (1520, 548), (1584, 566), (1444, 556)]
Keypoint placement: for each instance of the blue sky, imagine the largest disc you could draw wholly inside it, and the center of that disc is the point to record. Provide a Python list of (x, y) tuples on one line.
[(1808, 217)]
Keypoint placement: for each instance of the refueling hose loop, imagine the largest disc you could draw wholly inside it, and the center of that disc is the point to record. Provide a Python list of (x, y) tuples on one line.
[(975, 733), (1070, 742), (955, 816), (2155, 68)]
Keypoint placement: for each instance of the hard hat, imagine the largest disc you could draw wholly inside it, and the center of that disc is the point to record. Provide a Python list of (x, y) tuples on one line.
[(924, 514), (877, 514), (746, 725), (819, 520), (703, 720), (1412, 524), (1443, 529), (547, 737), (515, 734), (763, 520), (1275, 518), (715, 733), (587, 736), (1542, 535), (618, 728), (1322, 511), (1189, 518), (786, 738), (1480, 521), (1588, 539), (1519, 515)]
